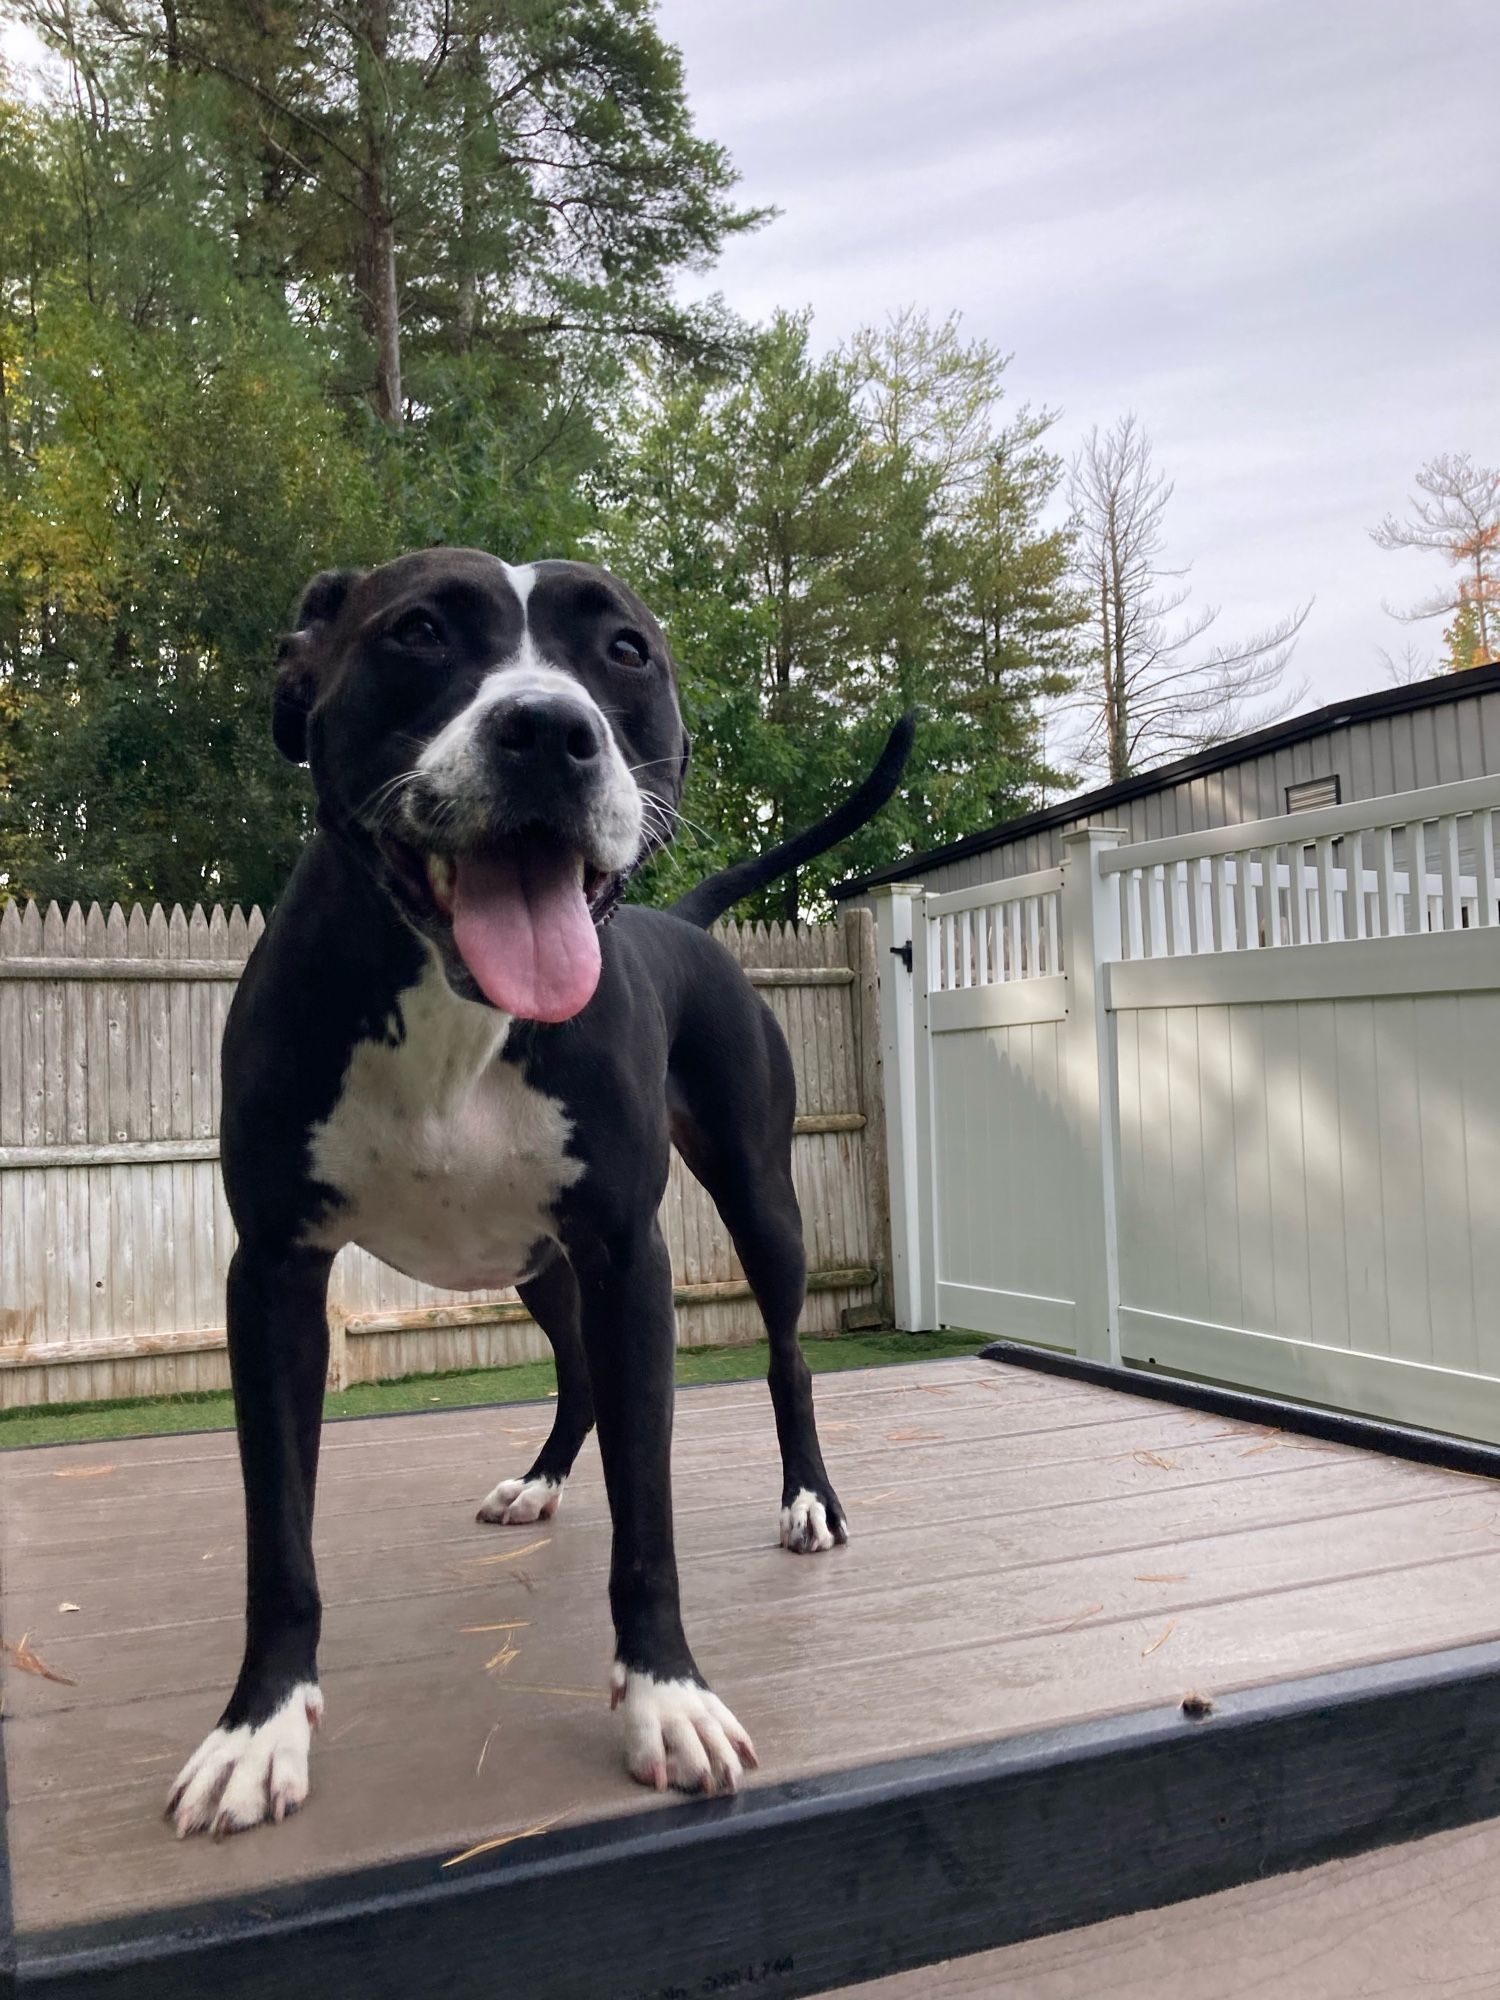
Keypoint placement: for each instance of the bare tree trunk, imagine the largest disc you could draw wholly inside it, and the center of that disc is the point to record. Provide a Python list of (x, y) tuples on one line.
[(387, 318), (1481, 592), (470, 193), (1119, 750), (378, 254), (1107, 663), (1117, 694), (4, 433)]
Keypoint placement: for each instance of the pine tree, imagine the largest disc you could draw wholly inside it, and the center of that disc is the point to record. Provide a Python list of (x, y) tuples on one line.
[(207, 393), (830, 541)]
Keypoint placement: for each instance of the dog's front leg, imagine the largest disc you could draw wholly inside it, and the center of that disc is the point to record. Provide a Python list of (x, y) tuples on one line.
[(253, 1766), (677, 1732)]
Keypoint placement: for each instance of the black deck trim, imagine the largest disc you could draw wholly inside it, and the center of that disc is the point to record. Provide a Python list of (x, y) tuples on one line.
[(796, 1888), (1452, 1454)]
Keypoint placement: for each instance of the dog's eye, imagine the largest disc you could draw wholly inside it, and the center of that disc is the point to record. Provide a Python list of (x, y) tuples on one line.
[(629, 649), (417, 628)]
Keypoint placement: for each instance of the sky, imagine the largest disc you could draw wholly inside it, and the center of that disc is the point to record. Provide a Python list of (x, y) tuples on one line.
[(1267, 227)]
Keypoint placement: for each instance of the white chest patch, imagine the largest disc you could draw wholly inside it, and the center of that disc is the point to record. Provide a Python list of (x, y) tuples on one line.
[(447, 1160)]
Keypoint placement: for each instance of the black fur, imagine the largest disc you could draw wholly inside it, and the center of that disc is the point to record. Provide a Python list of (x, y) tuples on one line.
[(717, 894), (674, 1048)]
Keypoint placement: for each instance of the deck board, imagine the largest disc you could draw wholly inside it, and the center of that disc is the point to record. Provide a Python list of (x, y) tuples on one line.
[(1421, 1919), (1026, 1551)]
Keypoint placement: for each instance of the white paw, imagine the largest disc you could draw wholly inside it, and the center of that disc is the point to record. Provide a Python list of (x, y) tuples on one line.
[(238, 1777), (515, 1503), (805, 1526), (679, 1734)]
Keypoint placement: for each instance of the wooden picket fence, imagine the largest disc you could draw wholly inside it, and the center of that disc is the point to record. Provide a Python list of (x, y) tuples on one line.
[(114, 1233)]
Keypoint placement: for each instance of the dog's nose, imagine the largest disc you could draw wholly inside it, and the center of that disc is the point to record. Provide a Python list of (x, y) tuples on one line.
[(546, 729)]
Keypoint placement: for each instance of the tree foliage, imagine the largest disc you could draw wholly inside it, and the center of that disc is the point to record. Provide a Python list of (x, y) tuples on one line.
[(298, 283), (825, 558), (194, 380), (1457, 516)]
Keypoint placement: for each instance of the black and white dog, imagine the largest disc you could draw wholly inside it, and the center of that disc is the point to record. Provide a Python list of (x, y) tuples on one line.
[(437, 1051)]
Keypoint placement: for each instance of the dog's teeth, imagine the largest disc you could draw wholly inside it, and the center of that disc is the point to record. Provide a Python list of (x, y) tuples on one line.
[(578, 863), (440, 878)]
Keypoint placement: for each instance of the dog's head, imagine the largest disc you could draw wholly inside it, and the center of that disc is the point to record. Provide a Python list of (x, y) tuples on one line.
[(503, 744)]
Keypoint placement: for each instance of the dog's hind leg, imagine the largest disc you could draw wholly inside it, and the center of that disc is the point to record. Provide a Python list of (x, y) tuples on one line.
[(737, 1138), (552, 1300), (766, 1229)]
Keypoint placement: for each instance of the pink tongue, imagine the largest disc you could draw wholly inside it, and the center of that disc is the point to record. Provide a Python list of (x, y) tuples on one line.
[(524, 931)]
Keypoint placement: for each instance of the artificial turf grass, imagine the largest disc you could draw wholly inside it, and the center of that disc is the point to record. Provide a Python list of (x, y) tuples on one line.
[(530, 1381)]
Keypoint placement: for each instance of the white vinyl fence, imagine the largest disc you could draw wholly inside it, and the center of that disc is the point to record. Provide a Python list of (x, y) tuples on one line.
[(114, 1235), (1226, 1103)]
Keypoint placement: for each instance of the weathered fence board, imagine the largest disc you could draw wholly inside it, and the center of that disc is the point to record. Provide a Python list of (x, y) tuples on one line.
[(115, 1236)]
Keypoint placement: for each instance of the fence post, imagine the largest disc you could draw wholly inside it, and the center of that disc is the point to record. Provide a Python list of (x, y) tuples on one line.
[(914, 1301), (338, 1340), (859, 948), (1091, 940)]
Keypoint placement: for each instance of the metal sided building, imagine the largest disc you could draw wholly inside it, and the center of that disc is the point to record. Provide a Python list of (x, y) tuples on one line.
[(1400, 739)]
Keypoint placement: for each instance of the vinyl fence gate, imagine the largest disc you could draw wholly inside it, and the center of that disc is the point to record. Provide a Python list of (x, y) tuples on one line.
[(1226, 1103)]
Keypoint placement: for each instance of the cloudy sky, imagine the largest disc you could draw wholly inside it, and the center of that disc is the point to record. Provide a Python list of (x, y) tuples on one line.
[(1269, 227)]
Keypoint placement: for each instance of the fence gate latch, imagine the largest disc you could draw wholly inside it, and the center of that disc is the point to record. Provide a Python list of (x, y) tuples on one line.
[(903, 952)]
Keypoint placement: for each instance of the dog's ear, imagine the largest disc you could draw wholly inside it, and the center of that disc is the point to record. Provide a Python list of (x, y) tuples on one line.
[(299, 658)]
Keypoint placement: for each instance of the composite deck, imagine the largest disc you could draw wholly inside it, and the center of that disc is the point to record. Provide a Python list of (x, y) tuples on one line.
[(1416, 1922), (1027, 1552)]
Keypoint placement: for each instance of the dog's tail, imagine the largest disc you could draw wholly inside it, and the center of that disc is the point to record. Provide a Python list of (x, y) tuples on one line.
[(706, 903)]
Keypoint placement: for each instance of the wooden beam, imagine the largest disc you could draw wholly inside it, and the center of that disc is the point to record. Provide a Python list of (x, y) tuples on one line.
[(800, 975), (111, 1347), (169, 970), (228, 970), (159, 1152), (505, 1311), (110, 1153), (489, 1312)]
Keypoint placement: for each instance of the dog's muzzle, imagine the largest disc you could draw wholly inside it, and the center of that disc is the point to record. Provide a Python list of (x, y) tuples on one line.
[(517, 836)]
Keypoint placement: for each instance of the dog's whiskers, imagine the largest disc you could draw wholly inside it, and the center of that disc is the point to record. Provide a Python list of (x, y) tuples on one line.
[(670, 815), (382, 804)]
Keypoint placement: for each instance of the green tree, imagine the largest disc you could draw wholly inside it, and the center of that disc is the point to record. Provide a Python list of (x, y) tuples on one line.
[(832, 540), (204, 396), (991, 624), (184, 484), (428, 180), (773, 541), (1469, 639), (285, 287)]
